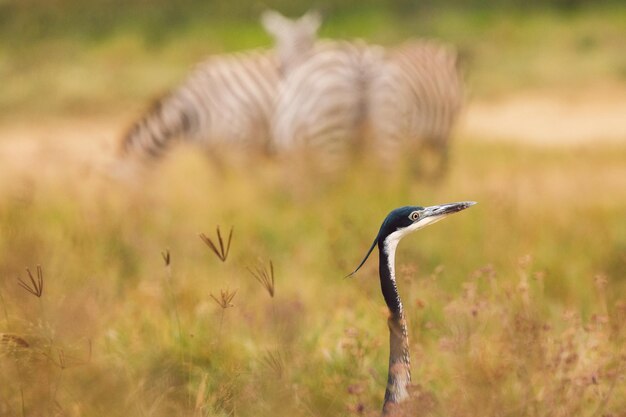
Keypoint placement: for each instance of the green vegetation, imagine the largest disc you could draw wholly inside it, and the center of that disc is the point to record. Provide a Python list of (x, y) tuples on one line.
[(93, 63), (516, 306)]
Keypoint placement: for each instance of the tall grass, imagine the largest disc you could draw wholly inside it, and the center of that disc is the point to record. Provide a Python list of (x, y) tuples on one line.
[(516, 307)]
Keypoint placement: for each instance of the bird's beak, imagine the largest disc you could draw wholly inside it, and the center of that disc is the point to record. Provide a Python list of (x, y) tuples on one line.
[(428, 216), (445, 209), (433, 214)]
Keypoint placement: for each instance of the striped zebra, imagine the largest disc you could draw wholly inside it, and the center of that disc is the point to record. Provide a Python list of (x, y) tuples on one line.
[(344, 95), (415, 100), (321, 109), (226, 100)]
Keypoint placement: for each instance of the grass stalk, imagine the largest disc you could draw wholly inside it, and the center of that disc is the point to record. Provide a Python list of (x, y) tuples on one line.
[(5, 311), (224, 301), (169, 284)]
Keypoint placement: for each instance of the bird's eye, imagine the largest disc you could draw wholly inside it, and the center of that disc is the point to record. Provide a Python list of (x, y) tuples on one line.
[(414, 215)]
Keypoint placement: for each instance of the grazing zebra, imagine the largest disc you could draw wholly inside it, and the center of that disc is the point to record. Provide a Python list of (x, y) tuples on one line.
[(346, 94), (415, 100), (293, 38), (321, 109), (227, 100)]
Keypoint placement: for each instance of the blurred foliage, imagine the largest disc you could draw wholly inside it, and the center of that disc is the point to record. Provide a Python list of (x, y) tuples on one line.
[(516, 307), (38, 19), (68, 57)]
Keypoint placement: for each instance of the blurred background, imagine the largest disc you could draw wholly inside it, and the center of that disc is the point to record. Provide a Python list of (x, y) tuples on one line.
[(516, 307), (102, 56)]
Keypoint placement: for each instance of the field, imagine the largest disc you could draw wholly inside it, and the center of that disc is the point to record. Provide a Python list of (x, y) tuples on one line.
[(516, 307)]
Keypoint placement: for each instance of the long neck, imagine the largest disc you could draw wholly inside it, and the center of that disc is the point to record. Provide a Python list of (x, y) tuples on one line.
[(399, 375)]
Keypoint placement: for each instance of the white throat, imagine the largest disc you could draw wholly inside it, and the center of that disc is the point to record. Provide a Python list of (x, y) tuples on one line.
[(391, 244), (391, 241)]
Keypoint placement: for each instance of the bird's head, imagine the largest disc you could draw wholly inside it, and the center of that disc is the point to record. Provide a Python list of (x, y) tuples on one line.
[(404, 220)]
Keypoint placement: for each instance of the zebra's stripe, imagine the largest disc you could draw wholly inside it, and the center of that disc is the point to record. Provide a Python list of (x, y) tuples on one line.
[(322, 103), (226, 99), (415, 99)]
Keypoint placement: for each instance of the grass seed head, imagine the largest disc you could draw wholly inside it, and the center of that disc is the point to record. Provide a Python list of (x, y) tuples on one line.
[(265, 277), (224, 249), (225, 299), (274, 362), (166, 257), (12, 341), (35, 286)]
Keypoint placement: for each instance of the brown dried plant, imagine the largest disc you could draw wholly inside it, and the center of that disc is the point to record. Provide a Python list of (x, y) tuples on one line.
[(12, 341), (62, 364), (274, 362), (225, 299), (224, 400), (265, 277), (35, 286), (222, 252), (166, 257), (62, 357), (200, 404)]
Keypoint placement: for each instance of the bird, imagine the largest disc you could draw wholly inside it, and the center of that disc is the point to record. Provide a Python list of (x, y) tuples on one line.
[(398, 224)]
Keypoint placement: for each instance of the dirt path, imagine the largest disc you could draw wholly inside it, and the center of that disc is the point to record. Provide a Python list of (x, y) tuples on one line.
[(597, 116), (592, 117), (51, 147)]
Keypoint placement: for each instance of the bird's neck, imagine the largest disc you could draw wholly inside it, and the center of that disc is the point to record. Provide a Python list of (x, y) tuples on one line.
[(387, 270), (399, 375)]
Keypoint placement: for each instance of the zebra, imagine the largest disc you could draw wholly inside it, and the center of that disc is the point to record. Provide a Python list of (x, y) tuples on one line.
[(345, 95), (319, 107), (415, 100), (321, 111), (226, 100)]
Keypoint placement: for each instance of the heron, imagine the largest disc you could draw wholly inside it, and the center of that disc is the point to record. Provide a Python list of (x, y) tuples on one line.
[(399, 223)]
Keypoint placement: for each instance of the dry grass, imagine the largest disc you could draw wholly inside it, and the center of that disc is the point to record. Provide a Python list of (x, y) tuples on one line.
[(224, 249), (265, 277), (35, 286), (515, 308)]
